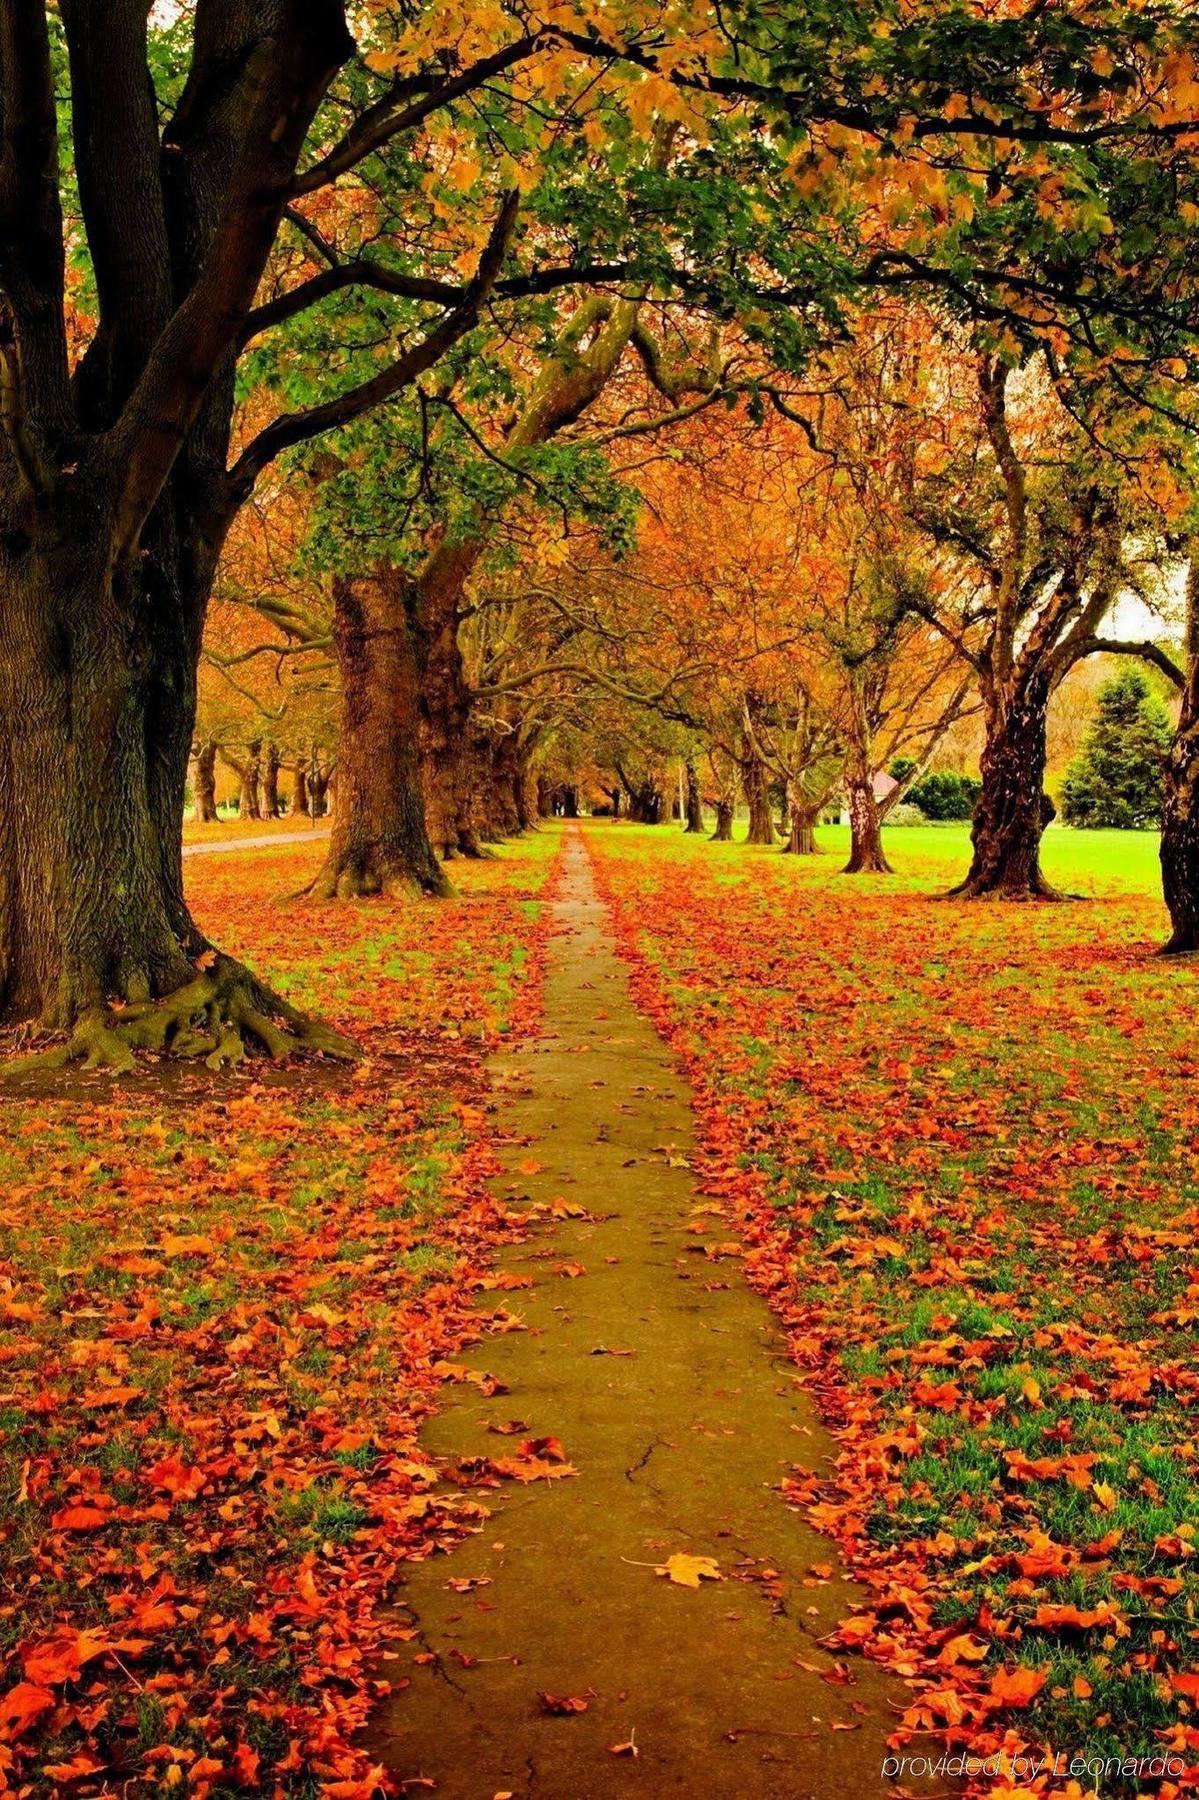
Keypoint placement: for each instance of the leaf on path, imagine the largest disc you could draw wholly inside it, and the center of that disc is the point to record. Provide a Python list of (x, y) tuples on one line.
[(561, 1705), (688, 1571)]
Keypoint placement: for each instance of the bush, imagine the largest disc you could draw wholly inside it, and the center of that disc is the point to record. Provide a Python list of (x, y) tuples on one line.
[(1115, 781), (940, 796), (904, 813)]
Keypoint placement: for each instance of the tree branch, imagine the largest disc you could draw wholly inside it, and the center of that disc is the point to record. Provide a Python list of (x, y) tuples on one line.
[(281, 82), (380, 123), (1145, 652), (32, 259), (296, 428)]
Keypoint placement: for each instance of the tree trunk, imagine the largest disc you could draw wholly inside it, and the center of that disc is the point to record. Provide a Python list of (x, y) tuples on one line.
[(570, 802), (318, 788), (545, 797), (95, 730), (379, 843), (695, 805), (270, 782), (801, 840), (1180, 826), (299, 787), (866, 854), (206, 810), (757, 794), (252, 781), (1013, 808), (723, 833), (1180, 794), (501, 774), (450, 760), (523, 797), (91, 800)]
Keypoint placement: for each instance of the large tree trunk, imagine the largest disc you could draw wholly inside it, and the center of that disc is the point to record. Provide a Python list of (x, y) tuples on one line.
[(695, 804), (318, 787), (379, 843), (270, 782), (115, 496), (802, 838), (522, 796), (1180, 825), (723, 833), (1180, 794), (299, 787), (545, 797), (91, 903), (756, 786), (205, 766), (252, 782), (1013, 808), (866, 854), (95, 730), (450, 761)]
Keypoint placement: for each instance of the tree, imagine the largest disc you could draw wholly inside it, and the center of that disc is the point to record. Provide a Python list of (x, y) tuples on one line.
[(1180, 788), (122, 464), (1116, 779), (116, 488), (1046, 535)]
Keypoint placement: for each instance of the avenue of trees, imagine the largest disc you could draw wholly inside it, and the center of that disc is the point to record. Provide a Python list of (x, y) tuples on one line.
[(440, 409)]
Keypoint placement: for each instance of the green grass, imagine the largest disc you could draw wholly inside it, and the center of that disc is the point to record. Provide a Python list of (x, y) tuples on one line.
[(929, 856)]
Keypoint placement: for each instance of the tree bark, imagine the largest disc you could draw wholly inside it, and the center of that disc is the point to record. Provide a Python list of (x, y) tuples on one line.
[(318, 787), (205, 765), (91, 798), (866, 853), (270, 782), (252, 781), (379, 843), (1013, 808), (299, 787), (801, 840), (723, 833), (694, 799), (756, 786), (1180, 794), (545, 797)]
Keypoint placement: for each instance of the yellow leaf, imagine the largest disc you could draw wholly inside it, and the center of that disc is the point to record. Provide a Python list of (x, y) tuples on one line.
[(689, 1571)]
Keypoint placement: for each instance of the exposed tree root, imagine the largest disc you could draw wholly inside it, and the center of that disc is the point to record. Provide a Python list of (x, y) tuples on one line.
[(1042, 893), (364, 877), (217, 1016)]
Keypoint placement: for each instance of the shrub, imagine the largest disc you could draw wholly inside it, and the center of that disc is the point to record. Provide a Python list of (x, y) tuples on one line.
[(943, 795), (1116, 778)]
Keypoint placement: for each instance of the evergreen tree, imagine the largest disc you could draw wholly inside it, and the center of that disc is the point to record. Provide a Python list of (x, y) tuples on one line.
[(1116, 778)]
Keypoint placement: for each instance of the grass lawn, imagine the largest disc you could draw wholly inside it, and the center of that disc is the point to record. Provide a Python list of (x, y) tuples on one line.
[(230, 830), (1080, 862), (959, 1143), (226, 1304)]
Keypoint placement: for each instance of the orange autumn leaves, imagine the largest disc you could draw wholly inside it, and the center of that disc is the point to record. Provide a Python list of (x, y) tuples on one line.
[(225, 1308)]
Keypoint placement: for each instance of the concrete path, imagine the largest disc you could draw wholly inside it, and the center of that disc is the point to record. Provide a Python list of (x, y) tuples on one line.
[(665, 1379), (266, 841)]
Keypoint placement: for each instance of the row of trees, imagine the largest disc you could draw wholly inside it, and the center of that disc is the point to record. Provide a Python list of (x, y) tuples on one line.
[(413, 343)]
